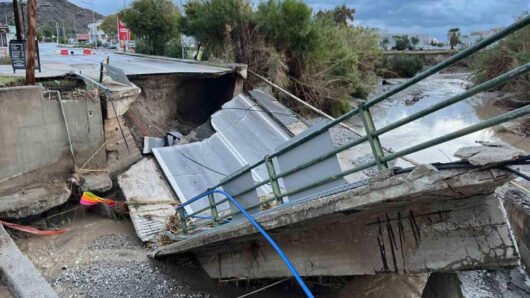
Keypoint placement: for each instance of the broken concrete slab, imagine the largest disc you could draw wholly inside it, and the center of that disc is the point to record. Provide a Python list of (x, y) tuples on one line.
[(244, 135), (122, 97), (144, 184), (490, 154), (34, 199), (478, 283), (118, 157), (386, 224), (290, 121), (98, 182), (517, 205), (21, 275), (443, 236)]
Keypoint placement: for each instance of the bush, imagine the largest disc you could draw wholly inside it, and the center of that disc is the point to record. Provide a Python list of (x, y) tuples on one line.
[(5, 60), (142, 47), (174, 48), (509, 53), (401, 66)]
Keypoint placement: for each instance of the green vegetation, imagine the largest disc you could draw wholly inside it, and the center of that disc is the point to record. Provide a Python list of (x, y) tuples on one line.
[(154, 22), (454, 37), (5, 60), (110, 25), (511, 52), (414, 40), (319, 57), (7, 80), (400, 66), (402, 42)]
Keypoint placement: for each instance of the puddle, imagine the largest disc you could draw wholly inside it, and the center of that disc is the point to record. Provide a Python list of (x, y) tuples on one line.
[(457, 116)]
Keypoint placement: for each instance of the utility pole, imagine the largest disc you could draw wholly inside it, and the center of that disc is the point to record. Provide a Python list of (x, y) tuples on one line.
[(30, 42), (75, 29), (18, 19)]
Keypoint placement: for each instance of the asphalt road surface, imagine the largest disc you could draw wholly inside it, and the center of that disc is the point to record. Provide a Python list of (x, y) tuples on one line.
[(55, 64)]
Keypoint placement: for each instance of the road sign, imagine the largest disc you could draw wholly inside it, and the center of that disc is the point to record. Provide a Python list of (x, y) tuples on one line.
[(17, 51)]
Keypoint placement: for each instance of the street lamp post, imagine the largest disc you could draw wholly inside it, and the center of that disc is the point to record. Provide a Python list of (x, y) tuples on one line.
[(56, 32), (75, 29), (94, 23)]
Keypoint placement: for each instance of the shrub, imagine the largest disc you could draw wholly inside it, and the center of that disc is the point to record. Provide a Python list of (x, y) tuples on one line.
[(174, 48), (401, 66), (509, 53)]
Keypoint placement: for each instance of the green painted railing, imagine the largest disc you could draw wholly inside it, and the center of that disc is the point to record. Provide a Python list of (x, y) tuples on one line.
[(372, 135)]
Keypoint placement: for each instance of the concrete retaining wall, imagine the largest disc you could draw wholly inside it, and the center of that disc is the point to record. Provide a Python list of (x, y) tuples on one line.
[(33, 140)]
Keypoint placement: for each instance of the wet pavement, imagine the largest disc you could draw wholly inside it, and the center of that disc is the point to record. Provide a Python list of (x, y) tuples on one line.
[(55, 64)]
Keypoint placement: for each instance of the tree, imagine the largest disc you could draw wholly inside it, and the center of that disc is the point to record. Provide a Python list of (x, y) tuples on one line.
[(454, 37), (216, 23), (414, 40), (340, 14), (155, 21), (402, 42), (110, 25)]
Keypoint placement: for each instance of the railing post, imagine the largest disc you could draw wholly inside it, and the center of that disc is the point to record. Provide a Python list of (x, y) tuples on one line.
[(183, 221), (213, 209), (274, 182), (375, 144), (101, 72)]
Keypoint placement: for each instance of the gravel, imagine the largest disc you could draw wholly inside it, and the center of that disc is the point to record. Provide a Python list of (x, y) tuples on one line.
[(339, 135), (115, 241), (119, 279)]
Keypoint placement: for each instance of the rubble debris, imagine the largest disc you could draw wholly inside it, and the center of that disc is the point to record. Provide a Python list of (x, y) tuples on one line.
[(152, 142), (488, 154), (34, 199), (21, 275), (144, 185), (98, 182), (478, 283), (200, 133), (244, 135)]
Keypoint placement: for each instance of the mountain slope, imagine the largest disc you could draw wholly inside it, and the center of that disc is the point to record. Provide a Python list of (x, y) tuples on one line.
[(50, 12)]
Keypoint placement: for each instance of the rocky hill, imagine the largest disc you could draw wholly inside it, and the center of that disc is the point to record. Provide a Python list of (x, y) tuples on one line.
[(50, 12)]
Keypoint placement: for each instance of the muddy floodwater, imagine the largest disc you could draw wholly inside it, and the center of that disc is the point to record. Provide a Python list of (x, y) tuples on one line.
[(457, 116)]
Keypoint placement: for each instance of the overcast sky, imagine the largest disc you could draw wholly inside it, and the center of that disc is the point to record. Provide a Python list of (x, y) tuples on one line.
[(434, 17)]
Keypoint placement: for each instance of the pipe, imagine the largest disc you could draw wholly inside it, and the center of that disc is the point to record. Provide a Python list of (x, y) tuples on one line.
[(261, 230)]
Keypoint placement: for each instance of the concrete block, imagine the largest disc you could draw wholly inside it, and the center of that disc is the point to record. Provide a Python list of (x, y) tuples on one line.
[(98, 182), (21, 275), (152, 142), (145, 184), (488, 154), (34, 199)]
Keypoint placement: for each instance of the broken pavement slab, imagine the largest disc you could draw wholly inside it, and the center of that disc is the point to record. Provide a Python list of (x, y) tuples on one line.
[(144, 184), (384, 225), (34, 199), (488, 154), (23, 279), (98, 182)]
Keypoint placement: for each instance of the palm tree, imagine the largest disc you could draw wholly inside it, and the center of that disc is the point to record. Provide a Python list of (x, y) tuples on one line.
[(454, 37)]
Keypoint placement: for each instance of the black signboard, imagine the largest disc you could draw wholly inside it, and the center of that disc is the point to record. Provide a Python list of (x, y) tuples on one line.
[(17, 51)]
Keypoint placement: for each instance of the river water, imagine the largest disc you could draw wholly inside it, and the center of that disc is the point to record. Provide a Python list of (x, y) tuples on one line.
[(457, 116)]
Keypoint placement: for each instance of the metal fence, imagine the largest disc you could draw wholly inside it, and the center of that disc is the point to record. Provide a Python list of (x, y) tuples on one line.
[(372, 136)]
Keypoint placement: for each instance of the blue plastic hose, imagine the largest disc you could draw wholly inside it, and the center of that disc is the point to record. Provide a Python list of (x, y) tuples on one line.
[(262, 231)]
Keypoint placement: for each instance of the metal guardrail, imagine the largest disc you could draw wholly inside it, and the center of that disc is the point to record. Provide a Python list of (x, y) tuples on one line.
[(372, 135)]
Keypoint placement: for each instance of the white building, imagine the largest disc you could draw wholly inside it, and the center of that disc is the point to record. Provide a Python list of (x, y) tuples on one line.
[(386, 39), (95, 32)]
